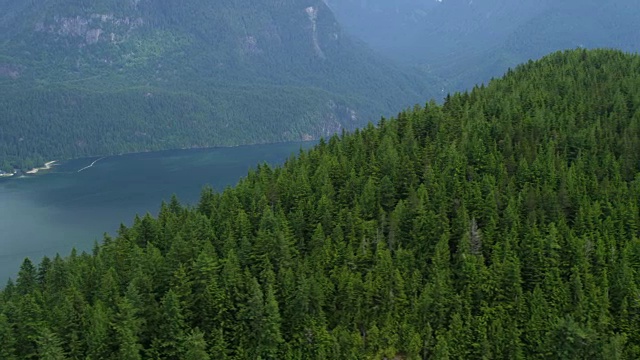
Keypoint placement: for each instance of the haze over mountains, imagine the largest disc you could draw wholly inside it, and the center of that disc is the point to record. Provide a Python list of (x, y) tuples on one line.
[(466, 42), (118, 76)]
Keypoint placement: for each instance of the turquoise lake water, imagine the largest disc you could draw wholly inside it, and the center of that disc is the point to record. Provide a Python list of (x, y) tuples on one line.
[(61, 209)]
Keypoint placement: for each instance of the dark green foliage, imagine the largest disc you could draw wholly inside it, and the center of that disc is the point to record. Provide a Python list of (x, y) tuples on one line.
[(503, 224), (7, 340), (196, 347), (50, 346)]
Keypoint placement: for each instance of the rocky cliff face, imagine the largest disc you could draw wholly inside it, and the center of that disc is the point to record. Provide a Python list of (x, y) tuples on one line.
[(92, 28), (136, 31)]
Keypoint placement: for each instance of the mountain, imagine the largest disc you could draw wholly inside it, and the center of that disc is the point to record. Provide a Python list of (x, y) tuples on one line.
[(467, 42), (502, 224), (387, 26), (81, 78)]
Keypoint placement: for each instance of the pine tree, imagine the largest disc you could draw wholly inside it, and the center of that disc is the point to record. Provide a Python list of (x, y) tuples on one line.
[(127, 329), (7, 339), (171, 332), (27, 278), (441, 351), (27, 321), (271, 336), (50, 346), (98, 334), (195, 347)]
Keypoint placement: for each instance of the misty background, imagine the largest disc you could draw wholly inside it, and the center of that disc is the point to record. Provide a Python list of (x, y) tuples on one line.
[(467, 42)]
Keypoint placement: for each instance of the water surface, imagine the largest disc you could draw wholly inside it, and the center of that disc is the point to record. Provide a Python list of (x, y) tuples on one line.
[(66, 208)]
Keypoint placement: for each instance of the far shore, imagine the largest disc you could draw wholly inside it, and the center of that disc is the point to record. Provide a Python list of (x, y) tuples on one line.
[(47, 166), (50, 164)]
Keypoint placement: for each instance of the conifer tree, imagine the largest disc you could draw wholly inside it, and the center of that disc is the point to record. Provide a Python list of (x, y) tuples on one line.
[(195, 346), (7, 339), (50, 346)]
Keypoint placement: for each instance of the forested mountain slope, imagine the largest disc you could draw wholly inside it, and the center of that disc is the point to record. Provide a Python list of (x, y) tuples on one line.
[(467, 42), (502, 224), (81, 78)]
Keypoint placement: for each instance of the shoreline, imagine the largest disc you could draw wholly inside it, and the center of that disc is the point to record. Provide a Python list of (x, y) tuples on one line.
[(47, 166), (213, 147)]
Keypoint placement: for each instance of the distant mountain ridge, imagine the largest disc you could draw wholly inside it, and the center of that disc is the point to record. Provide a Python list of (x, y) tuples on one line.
[(469, 41), (233, 71)]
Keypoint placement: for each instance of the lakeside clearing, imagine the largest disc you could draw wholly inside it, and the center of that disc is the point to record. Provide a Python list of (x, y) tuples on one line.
[(47, 166)]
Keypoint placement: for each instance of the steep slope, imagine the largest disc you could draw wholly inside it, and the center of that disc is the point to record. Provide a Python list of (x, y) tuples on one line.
[(503, 224), (385, 25), (468, 42), (213, 72)]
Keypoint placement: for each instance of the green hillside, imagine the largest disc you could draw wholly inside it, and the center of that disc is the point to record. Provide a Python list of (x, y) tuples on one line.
[(190, 73), (503, 224)]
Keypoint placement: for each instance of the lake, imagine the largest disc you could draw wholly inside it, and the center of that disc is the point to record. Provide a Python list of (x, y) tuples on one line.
[(73, 205)]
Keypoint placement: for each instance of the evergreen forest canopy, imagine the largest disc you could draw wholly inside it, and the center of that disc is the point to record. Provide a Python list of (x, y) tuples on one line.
[(503, 224), (84, 78)]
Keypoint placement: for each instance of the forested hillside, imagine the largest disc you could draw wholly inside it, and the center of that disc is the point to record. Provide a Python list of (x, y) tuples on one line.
[(503, 224), (82, 78)]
